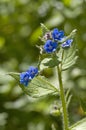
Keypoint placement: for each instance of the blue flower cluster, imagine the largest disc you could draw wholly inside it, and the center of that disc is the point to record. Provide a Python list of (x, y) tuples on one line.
[(52, 43), (52, 39), (26, 77)]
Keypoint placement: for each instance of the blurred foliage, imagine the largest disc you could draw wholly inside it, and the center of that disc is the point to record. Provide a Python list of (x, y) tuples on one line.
[(19, 33)]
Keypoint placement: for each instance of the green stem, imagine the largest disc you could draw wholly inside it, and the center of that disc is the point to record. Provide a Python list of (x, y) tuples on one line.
[(62, 95)]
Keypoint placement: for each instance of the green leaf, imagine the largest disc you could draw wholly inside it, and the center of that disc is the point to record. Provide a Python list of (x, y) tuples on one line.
[(70, 36), (42, 66), (38, 87), (68, 98), (69, 57), (52, 62), (80, 125), (44, 29), (83, 104), (49, 62)]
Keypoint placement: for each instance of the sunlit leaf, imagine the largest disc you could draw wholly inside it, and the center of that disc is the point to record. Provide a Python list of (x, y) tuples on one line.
[(69, 57), (38, 87), (83, 104), (70, 36), (68, 97), (44, 61), (44, 29), (80, 125), (49, 62)]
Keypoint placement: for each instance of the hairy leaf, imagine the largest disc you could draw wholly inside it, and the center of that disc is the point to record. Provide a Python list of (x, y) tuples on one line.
[(70, 36), (49, 62), (42, 66), (38, 87), (68, 97), (80, 125), (69, 57), (44, 29), (83, 104)]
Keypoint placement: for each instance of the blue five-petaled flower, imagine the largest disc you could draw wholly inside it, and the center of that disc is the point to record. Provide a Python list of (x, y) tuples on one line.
[(26, 77), (50, 46), (57, 35), (67, 43), (32, 72)]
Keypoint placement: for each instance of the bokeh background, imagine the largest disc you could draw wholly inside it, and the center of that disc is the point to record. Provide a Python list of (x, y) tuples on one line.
[(19, 34)]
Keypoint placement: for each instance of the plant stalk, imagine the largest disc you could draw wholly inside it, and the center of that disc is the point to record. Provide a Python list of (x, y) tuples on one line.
[(62, 95)]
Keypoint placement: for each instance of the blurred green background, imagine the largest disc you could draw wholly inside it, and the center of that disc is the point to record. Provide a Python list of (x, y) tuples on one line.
[(19, 33)]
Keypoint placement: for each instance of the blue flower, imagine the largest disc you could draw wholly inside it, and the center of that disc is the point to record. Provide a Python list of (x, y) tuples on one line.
[(24, 78), (27, 76), (50, 46), (57, 35), (67, 44), (32, 72)]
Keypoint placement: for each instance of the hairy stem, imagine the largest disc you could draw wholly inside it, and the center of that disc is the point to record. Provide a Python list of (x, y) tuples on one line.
[(65, 116)]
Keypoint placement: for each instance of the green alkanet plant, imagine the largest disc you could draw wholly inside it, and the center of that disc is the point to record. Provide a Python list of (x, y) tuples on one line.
[(60, 52)]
